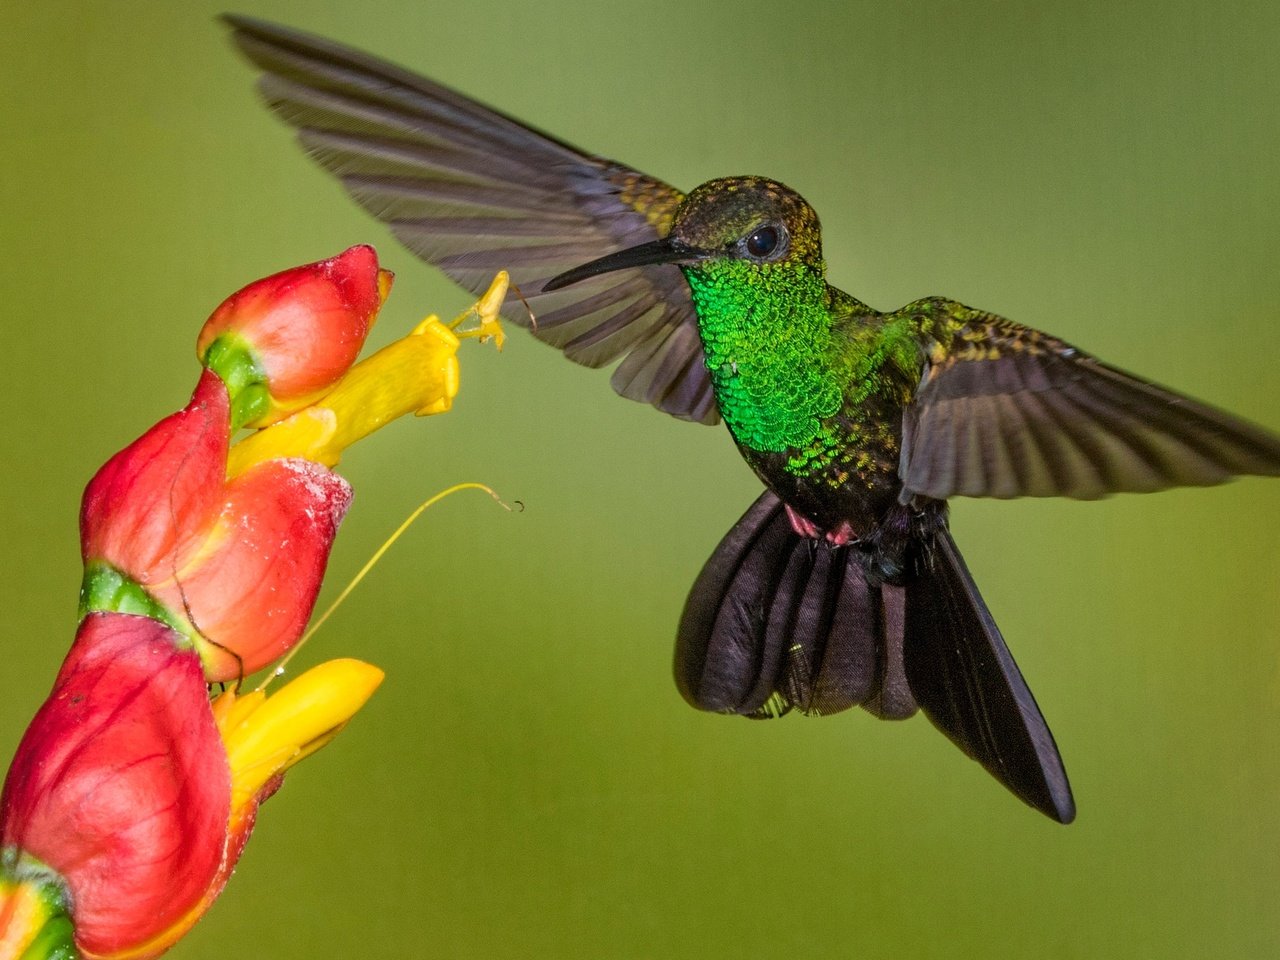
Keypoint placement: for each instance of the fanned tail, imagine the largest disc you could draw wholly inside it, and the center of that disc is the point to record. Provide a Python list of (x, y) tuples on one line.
[(779, 621)]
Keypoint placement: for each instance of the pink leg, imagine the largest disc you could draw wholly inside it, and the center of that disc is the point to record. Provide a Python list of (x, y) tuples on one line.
[(841, 534), (805, 527), (802, 524)]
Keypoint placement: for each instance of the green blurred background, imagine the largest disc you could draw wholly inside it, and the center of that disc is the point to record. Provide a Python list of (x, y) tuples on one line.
[(528, 783)]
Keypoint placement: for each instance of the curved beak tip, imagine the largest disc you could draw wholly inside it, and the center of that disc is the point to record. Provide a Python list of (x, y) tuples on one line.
[(664, 250)]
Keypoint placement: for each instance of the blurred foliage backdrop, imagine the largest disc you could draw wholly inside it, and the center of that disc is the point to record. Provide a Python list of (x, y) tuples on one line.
[(528, 783)]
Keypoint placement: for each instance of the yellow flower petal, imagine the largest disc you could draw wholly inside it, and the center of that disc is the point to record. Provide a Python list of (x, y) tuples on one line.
[(23, 914), (264, 736), (418, 374), (306, 434)]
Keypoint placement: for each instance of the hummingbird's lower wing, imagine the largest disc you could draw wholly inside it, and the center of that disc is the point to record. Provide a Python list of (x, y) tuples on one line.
[(472, 191), (1006, 411)]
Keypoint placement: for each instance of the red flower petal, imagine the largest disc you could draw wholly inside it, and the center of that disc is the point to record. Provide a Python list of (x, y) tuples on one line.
[(305, 325), (251, 590), (121, 783), (149, 504)]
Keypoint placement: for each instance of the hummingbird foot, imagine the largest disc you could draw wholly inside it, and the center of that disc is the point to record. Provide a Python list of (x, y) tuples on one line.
[(486, 311), (802, 524), (837, 536), (840, 535)]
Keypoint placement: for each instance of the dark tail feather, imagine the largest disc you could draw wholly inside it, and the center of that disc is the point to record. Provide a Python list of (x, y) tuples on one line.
[(760, 632), (777, 621), (965, 680)]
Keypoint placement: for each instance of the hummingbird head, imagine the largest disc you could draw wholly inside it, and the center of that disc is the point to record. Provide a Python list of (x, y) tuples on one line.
[(748, 218), (751, 219)]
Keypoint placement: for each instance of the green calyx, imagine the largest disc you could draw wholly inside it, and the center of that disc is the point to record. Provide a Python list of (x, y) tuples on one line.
[(236, 363), (55, 941), (50, 932), (107, 590)]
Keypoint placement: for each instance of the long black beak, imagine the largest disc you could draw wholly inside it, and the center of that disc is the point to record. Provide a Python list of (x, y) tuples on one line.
[(665, 250)]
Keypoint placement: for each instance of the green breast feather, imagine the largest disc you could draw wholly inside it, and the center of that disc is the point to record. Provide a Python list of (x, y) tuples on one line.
[(767, 350)]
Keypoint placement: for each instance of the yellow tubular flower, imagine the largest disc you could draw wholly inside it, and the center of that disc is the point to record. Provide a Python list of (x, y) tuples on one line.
[(265, 736), (417, 374)]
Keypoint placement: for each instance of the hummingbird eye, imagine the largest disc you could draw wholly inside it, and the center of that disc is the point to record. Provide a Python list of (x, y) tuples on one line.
[(765, 242)]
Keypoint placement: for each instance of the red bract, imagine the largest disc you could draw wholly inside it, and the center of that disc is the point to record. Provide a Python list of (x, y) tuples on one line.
[(131, 795), (237, 564), (121, 783), (250, 589), (303, 327), (146, 510)]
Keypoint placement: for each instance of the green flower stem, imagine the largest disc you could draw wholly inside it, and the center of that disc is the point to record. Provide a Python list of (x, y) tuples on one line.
[(235, 362), (106, 589)]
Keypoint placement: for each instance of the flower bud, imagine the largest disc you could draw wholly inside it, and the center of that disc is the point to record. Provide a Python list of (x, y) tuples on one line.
[(282, 342)]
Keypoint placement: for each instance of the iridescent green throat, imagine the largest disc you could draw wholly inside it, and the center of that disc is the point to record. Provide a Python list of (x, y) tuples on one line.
[(767, 333)]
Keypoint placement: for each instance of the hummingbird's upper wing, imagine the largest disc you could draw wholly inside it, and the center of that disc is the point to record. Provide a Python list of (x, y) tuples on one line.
[(1006, 411), (473, 191)]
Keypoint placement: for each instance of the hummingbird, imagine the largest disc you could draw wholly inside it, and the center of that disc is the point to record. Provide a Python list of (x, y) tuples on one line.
[(841, 585)]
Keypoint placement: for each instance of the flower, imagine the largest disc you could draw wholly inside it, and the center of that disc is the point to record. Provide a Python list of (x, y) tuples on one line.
[(228, 543), (131, 796), (283, 341), (234, 563), (119, 786), (416, 374)]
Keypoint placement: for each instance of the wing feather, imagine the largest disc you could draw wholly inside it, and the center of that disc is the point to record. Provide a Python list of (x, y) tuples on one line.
[(1008, 412), (471, 190)]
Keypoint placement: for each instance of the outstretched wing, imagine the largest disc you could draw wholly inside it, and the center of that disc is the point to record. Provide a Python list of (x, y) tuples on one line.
[(471, 191), (1006, 411)]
